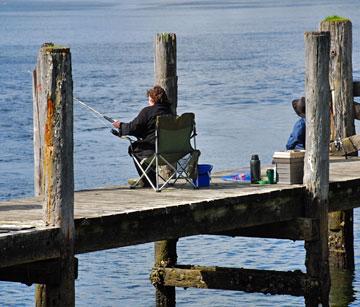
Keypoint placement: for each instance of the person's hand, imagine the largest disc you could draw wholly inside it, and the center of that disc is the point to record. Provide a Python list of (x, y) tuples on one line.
[(116, 124)]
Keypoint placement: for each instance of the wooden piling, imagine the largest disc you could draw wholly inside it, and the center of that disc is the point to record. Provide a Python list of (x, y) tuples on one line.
[(166, 77), (165, 66), (165, 256), (341, 226), (342, 292), (316, 163), (53, 98)]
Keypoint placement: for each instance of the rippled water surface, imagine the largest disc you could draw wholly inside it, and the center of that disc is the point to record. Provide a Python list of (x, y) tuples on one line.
[(240, 63)]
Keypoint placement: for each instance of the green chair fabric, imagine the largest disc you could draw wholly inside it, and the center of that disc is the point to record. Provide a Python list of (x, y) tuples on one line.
[(174, 135)]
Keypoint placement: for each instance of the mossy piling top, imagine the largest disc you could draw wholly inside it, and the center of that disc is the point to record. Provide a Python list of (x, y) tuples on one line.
[(335, 18)]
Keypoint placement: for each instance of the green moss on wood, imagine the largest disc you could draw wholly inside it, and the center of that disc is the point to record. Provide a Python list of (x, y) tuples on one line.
[(336, 18), (51, 47), (166, 37)]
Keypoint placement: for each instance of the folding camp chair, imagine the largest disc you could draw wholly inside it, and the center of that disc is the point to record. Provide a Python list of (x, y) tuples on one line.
[(173, 149)]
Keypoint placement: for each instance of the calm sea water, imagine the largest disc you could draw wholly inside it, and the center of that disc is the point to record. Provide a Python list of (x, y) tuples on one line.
[(240, 63)]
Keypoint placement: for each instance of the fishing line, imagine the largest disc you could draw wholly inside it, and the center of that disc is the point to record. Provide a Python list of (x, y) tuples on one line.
[(96, 113)]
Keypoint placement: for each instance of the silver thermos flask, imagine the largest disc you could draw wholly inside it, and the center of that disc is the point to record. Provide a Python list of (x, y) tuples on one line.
[(255, 169)]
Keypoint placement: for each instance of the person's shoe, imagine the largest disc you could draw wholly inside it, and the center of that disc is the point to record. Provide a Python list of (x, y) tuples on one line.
[(132, 182)]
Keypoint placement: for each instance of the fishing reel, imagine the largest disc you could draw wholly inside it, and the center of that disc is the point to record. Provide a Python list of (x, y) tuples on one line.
[(115, 132)]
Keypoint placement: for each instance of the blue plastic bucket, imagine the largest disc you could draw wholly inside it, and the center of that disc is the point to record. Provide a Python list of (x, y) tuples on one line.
[(203, 179)]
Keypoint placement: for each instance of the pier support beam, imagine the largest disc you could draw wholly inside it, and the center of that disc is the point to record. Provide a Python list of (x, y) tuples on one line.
[(53, 103), (341, 226), (165, 66), (165, 256), (235, 279), (296, 229), (316, 162), (39, 272)]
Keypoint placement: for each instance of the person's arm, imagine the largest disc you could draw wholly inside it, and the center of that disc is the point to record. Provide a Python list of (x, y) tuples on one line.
[(136, 127), (297, 137)]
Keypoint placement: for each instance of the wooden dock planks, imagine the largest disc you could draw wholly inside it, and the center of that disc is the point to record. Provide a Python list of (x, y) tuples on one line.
[(118, 216)]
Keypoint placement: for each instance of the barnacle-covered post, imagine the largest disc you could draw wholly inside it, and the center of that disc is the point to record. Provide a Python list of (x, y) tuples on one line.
[(316, 162), (341, 225), (53, 135), (165, 256)]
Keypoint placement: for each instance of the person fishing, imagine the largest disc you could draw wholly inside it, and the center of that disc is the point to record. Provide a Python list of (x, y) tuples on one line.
[(297, 137), (143, 128)]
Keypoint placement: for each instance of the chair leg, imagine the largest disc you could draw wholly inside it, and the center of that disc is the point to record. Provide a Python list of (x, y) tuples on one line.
[(144, 173), (157, 172), (178, 174), (187, 175)]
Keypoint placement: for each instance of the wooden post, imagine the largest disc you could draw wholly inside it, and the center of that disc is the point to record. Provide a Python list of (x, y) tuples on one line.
[(54, 103), (165, 256), (316, 164), (341, 226), (341, 292), (165, 66), (165, 76)]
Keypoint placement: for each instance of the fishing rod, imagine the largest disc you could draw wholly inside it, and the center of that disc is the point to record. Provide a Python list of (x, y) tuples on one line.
[(97, 114), (109, 119)]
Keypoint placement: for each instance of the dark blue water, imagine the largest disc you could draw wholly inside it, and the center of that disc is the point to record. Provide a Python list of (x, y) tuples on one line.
[(240, 63)]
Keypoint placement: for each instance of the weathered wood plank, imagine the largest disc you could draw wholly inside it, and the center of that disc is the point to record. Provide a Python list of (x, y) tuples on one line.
[(344, 195), (264, 281), (297, 229), (40, 272), (138, 227), (254, 208), (29, 246), (119, 199), (178, 221), (37, 136)]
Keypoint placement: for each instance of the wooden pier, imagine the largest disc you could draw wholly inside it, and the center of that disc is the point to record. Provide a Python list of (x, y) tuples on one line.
[(118, 216), (40, 236)]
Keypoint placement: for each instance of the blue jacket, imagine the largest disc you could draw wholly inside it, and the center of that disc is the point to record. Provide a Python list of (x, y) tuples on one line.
[(297, 137)]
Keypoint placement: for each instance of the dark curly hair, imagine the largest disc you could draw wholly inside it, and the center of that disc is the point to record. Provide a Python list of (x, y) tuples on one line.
[(299, 106), (157, 93)]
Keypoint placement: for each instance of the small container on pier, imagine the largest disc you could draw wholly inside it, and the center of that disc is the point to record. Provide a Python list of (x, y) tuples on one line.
[(255, 172), (204, 175), (289, 166)]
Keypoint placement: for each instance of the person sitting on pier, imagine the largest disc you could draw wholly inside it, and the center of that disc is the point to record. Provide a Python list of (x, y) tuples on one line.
[(143, 128), (297, 137)]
